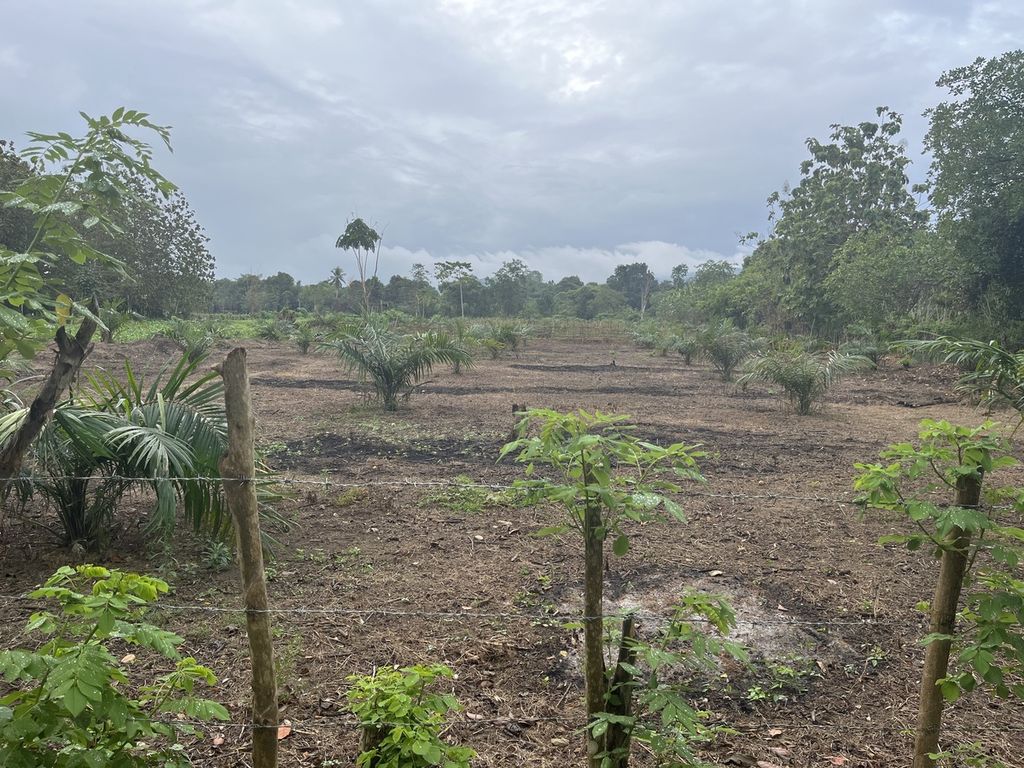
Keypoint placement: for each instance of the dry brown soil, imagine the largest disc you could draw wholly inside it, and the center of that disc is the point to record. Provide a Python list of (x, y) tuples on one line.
[(398, 558)]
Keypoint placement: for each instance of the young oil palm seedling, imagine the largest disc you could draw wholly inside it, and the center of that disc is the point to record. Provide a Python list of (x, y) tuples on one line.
[(117, 436), (304, 336), (993, 374), (803, 376), (394, 363), (460, 334), (725, 347)]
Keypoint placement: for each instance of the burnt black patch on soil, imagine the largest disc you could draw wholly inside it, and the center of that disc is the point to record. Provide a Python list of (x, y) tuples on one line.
[(273, 381), (672, 390), (608, 368), (328, 450)]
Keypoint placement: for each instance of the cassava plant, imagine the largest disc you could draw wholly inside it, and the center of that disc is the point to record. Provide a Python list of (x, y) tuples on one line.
[(646, 699), (803, 376), (402, 721), (604, 477), (70, 702), (73, 185), (394, 363), (976, 548)]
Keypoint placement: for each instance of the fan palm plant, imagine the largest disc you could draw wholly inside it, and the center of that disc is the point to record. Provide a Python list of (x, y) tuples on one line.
[(993, 374), (803, 376), (117, 434), (394, 363)]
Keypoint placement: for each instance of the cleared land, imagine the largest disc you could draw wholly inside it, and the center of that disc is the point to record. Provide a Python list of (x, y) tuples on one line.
[(373, 555)]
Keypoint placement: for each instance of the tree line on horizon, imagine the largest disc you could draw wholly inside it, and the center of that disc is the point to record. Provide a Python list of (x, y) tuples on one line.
[(852, 244)]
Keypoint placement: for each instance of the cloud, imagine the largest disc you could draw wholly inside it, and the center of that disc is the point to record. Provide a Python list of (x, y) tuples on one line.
[(554, 130)]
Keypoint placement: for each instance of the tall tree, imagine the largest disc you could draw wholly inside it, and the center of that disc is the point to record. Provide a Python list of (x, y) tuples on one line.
[(454, 273), (976, 178), (16, 224), (635, 282), (364, 243), (855, 182), (509, 286), (337, 280), (165, 267), (679, 273), (77, 186)]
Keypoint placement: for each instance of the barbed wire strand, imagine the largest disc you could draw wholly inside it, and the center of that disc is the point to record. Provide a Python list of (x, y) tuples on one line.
[(469, 719), (493, 615), (453, 484)]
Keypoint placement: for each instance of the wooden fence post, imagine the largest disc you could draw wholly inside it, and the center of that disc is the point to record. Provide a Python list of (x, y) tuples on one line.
[(238, 470)]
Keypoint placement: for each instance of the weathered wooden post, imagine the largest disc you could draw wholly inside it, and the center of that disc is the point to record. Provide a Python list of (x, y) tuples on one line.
[(238, 472)]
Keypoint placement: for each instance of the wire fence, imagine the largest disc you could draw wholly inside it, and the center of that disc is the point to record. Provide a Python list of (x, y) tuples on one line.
[(328, 482), (467, 718), (415, 611), (510, 616)]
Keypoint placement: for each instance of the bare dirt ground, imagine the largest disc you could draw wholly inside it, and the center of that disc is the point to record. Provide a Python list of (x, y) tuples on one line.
[(372, 565)]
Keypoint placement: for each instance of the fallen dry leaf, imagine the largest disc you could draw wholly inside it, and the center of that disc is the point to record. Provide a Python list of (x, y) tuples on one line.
[(766, 764), (217, 740), (781, 752), (284, 730), (773, 732), (128, 658), (838, 760)]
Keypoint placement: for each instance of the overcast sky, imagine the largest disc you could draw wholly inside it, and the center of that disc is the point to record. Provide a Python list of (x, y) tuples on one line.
[(574, 134)]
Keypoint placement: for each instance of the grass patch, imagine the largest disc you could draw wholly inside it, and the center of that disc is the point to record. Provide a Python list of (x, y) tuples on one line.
[(468, 497)]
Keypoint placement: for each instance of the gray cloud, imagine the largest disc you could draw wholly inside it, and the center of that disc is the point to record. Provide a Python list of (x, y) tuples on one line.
[(551, 131)]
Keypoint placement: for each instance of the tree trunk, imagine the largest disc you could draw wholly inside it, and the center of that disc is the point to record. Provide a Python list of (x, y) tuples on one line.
[(952, 569), (620, 701), (71, 353), (593, 624), (238, 468), (462, 303)]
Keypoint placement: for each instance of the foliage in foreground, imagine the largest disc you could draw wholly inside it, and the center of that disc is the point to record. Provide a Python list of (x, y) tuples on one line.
[(993, 373), (980, 548), (402, 721), (74, 184), (394, 363), (605, 478), (803, 376), (117, 434), (74, 704)]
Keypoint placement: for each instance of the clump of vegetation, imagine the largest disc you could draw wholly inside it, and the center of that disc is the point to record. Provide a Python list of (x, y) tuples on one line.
[(273, 329), (191, 338), (69, 702), (460, 333), (725, 347), (994, 374), (803, 376), (116, 434), (304, 337), (402, 721), (468, 496), (351, 496), (502, 336), (394, 363), (868, 348)]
